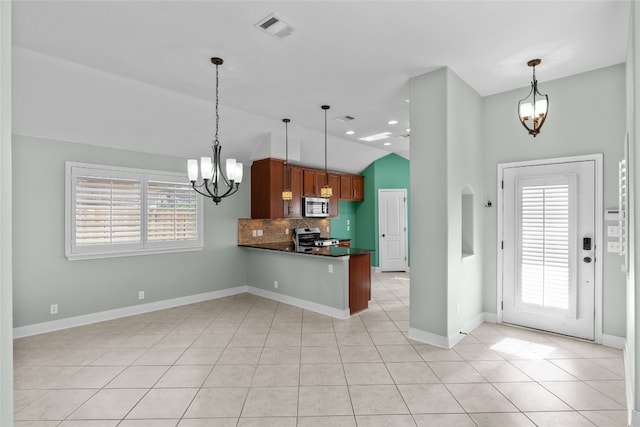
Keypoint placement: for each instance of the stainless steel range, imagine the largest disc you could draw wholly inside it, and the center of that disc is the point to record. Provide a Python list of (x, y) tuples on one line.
[(310, 236)]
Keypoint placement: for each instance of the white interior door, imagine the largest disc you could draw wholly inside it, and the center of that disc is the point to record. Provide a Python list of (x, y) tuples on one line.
[(392, 227), (549, 247)]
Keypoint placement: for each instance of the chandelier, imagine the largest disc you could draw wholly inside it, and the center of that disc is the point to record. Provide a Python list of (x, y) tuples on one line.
[(215, 183), (532, 110), (325, 191)]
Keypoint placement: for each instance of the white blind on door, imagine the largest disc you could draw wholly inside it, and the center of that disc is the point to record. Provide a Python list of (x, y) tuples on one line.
[(107, 211), (172, 212), (545, 245)]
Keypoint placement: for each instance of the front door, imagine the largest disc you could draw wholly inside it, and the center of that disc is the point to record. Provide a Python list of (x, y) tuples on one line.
[(549, 247), (392, 225)]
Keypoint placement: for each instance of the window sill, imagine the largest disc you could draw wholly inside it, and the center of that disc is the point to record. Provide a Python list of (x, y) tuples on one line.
[(79, 257)]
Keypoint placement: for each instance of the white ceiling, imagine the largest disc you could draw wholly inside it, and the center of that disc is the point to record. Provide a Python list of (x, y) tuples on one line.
[(137, 74)]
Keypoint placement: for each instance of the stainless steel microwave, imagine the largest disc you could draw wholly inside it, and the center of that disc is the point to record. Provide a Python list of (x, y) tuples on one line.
[(317, 207)]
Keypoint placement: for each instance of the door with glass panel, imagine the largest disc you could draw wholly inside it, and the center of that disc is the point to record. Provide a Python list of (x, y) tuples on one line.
[(549, 247)]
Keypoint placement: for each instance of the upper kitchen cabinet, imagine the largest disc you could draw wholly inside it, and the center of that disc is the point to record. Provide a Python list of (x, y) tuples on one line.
[(293, 207), (352, 188), (314, 179), (267, 183)]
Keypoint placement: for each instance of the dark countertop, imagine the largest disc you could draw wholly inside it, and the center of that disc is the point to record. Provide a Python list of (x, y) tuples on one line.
[(330, 251)]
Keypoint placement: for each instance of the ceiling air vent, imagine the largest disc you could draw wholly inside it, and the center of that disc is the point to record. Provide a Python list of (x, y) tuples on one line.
[(343, 119), (275, 26)]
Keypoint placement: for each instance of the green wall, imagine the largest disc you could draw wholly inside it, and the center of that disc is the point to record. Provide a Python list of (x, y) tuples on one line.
[(344, 226), (43, 276), (586, 116), (391, 171), (6, 322), (446, 291), (633, 128)]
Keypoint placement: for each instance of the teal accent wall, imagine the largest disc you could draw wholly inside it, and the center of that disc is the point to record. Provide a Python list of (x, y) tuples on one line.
[(344, 225), (391, 171), (43, 276)]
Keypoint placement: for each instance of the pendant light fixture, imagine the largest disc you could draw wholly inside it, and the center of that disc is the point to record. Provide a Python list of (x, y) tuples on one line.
[(532, 110), (325, 191), (287, 194), (215, 183)]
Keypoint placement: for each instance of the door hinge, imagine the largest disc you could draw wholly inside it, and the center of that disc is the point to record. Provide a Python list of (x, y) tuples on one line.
[(405, 258), (502, 244), (501, 305), (502, 185)]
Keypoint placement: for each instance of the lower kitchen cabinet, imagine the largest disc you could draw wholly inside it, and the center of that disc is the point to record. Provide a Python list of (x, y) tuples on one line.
[(359, 282)]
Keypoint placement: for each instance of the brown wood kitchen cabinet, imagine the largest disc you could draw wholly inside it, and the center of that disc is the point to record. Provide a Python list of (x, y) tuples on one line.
[(352, 187), (359, 282), (314, 179), (267, 183)]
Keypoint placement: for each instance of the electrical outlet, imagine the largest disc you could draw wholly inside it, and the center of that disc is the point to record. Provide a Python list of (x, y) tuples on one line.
[(255, 233), (348, 228), (275, 284), (259, 233), (330, 268), (286, 231), (53, 309), (328, 230), (141, 295)]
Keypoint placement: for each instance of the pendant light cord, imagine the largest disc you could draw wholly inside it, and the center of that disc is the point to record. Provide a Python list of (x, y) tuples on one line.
[(216, 142), (326, 176)]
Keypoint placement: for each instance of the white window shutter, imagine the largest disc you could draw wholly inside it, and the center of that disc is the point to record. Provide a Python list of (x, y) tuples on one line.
[(172, 212), (545, 246), (107, 211)]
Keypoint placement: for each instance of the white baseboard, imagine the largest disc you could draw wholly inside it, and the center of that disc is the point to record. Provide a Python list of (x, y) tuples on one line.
[(86, 319), (613, 341), (297, 302), (102, 316), (451, 340), (635, 419), (428, 338)]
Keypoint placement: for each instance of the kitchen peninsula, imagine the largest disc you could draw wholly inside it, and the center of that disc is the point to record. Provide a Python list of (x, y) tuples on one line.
[(331, 280)]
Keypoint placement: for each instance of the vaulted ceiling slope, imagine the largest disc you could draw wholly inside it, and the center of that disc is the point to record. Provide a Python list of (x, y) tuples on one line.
[(136, 74)]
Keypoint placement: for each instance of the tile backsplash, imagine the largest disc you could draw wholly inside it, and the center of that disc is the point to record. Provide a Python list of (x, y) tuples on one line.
[(277, 230)]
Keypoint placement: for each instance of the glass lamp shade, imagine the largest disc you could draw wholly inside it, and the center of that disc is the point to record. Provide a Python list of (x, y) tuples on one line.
[(541, 108), (287, 195), (192, 169), (239, 173), (326, 191), (526, 110), (231, 169), (206, 167)]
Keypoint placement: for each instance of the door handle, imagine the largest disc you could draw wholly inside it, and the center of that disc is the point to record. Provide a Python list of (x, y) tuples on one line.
[(586, 259)]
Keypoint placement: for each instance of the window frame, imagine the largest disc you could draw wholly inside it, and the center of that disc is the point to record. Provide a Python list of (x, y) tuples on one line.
[(74, 252)]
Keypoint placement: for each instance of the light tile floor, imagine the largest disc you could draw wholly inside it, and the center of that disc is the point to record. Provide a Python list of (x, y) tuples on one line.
[(249, 361)]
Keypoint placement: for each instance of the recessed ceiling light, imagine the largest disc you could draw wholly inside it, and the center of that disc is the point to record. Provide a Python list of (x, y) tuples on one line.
[(408, 129), (393, 122), (376, 137), (387, 143), (407, 100), (349, 132)]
